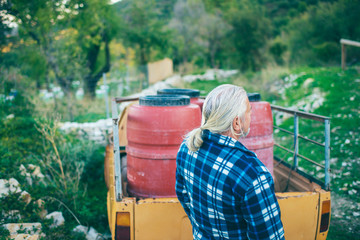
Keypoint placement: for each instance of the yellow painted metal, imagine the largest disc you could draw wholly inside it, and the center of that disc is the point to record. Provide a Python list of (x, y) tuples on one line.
[(122, 125), (324, 196), (299, 214), (161, 219)]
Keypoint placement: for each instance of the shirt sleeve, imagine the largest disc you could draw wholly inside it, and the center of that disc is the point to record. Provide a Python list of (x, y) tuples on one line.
[(261, 210), (181, 191)]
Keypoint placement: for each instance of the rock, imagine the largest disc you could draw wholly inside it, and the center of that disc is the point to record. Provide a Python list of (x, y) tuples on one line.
[(91, 234), (25, 237), (12, 215), (11, 116), (41, 204), (356, 214), (24, 172), (308, 82), (80, 229), (37, 172), (25, 196), (9, 186), (31, 166), (28, 228), (57, 217)]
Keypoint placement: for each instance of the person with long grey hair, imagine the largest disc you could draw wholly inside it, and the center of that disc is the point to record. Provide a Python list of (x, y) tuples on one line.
[(225, 190)]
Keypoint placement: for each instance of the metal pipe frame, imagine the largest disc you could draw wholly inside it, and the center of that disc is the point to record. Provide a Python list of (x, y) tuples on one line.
[(326, 121), (300, 136), (117, 159), (299, 155), (300, 113), (327, 154)]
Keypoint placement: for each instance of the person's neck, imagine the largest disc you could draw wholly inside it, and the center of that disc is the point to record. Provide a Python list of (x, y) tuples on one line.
[(230, 134)]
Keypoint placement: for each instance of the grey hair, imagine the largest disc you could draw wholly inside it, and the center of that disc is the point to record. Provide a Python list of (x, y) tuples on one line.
[(222, 105)]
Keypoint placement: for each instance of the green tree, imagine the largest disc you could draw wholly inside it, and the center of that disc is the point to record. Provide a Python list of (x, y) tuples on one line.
[(314, 36), (186, 26), (71, 35), (250, 33), (96, 24), (213, 31), (142, 30)]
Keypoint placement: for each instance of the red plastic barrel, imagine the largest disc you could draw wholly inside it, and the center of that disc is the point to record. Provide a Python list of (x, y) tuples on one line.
[(192, 93), (260, 139), (155, 129)]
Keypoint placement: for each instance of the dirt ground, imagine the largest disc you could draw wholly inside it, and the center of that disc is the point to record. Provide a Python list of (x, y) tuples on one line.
[(345, 218)]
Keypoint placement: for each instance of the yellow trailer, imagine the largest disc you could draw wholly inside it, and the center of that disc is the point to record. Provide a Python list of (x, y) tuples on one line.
[(305, 205)]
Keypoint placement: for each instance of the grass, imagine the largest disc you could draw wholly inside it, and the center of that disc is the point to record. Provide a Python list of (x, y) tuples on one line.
[(83, 191)]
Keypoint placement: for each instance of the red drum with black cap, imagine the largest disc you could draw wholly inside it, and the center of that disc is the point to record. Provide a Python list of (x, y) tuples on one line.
[(155, 129), (260, 139)]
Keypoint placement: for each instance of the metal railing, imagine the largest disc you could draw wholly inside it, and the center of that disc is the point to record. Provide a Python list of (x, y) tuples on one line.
[(117, 159), (295, 133)]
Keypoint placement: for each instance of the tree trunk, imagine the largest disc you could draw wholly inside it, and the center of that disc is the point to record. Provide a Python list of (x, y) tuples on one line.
[(143, 67), (93, 78)]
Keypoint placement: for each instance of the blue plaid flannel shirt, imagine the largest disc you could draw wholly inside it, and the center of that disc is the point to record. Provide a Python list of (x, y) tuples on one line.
[(226, 191)]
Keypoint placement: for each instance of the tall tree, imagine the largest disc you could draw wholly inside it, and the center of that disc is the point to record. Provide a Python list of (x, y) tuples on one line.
[(71, 35), (186, 24), (39, 21), (213, 31), (142, 29), (314, 36), (96, 24), (250, 32)]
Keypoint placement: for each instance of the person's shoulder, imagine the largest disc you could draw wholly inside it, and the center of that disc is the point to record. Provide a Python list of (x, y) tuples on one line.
[(183, 147), (250, 165)]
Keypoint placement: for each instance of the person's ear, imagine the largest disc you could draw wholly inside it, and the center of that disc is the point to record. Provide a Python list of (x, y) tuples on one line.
[(236, 124)]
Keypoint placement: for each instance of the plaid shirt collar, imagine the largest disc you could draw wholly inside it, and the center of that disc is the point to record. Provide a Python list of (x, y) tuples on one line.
[(225, 141)]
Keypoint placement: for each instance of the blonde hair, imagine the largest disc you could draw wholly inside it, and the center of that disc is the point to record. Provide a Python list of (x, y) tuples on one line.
[(222, 105)]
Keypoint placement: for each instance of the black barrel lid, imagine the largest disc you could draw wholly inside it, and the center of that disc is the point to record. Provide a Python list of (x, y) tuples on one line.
[(164, 100), (254, 97), (180, 91)]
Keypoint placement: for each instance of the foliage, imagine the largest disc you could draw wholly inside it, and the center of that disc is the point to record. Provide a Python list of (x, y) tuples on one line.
[(314, 36), (250, 31), (277, 50), (246, 35), (142, 29), (67, 32), (67, 191)]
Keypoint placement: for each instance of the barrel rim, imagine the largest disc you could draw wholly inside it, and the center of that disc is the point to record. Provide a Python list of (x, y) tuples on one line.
[(164, 100), (193, 93), (254, 97)]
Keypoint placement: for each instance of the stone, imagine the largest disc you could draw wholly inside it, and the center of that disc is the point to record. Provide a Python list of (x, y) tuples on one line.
[(308, 82), (41, 205), (28, 228), (9, 186), (91, 234), (22, 170), (57, 217), (25, 237), (25, 196), (31, 166), (80, 229), (37, 172), (12, 215)]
